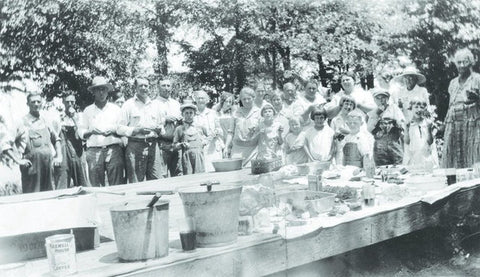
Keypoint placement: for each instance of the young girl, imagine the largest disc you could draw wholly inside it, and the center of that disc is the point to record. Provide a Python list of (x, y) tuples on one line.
[(295, 143), (319, 137), (191, 139), (420, 149), (358, 144), (269, 134)]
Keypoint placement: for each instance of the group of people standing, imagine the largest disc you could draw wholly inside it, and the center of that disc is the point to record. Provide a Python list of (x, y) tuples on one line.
[(152, 135)]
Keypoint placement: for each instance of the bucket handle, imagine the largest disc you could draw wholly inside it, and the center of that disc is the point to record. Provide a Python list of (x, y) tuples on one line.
[(154, 199), (209, 184)]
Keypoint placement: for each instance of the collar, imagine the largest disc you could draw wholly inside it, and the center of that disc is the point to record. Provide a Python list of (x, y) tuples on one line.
[(163, 99), (147, 101)]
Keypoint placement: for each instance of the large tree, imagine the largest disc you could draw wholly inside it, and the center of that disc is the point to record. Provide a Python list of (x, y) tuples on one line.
[(437, 28), (64, 43)]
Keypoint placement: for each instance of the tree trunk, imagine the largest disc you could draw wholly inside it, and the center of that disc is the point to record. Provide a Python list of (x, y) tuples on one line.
[(285, 55), (274, 66), (322, 73)]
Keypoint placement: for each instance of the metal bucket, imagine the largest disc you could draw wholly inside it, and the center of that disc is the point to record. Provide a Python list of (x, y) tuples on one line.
[(140, 232), (215, 213)]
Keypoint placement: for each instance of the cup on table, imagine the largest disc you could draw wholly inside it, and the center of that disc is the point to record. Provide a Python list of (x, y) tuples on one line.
[(451, 174), (186, 226)]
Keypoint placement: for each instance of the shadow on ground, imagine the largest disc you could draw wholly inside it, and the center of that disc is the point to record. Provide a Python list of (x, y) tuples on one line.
[(422, 253)]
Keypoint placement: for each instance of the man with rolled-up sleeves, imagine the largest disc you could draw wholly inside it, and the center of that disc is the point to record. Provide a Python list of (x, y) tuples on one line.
[(141, 122), (104, 146), (170, 109)]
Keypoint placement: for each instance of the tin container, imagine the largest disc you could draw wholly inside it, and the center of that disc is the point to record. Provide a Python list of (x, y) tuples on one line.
[(61, 254), (314, 182)]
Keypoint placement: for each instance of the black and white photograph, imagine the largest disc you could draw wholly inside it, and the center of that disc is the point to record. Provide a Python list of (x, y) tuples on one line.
[(240, 138)]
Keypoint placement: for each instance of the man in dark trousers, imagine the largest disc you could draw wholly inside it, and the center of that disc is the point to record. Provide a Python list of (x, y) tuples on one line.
[(39, 150)]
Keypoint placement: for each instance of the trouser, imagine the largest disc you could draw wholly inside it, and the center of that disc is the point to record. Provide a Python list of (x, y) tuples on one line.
[(143, 159), (71, 168), (108, 158), (172, 161)]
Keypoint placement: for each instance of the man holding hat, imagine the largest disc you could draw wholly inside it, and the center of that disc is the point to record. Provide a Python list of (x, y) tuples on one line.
[(411, 80), (142, 122), (98, 126), (381, 97)]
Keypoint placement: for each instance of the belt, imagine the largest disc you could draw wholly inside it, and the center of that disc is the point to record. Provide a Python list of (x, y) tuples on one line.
[(104, 146), (146, 140)]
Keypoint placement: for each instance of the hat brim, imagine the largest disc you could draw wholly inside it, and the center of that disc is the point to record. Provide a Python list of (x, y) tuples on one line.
[(375, 94), (188, 106), (108, 86), (420, 78)]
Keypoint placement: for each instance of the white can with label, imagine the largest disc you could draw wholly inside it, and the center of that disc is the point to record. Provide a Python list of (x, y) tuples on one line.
[(61, 254)]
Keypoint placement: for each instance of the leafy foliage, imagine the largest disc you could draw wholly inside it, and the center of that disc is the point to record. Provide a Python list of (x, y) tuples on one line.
[(440, 27), (64, 43)]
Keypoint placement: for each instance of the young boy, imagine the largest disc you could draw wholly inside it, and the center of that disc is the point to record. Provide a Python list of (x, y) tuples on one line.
[(420, 149), (191, 139), (388, 147), (358, 143), (295, 142), (319, 137)]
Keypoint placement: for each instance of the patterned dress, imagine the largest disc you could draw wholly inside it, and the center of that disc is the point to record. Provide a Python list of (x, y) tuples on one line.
[(462, 125)]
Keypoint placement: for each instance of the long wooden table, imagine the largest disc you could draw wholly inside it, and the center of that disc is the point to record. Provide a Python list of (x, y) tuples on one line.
[(260, 253)]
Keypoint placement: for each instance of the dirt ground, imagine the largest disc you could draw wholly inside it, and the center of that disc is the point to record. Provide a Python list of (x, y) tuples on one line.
[(423, 253)]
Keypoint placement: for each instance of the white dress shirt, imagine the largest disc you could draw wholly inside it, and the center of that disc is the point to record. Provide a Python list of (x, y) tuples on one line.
[(104, 120)]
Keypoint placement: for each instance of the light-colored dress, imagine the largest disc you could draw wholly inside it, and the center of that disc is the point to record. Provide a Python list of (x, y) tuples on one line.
[(462, 125), (319, 142), (298, 156), (418, 153), (213, 151), (268, 144), (243, 143)]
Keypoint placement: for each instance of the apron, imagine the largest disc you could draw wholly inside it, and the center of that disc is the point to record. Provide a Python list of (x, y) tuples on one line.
[(39, 176), (351, 155)]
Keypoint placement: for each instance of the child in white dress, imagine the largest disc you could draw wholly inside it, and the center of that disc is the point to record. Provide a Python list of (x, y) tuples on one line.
[(420, 149)]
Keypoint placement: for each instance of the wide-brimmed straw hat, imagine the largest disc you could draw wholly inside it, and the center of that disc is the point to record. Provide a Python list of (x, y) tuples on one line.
[(100, 81), (188, 104), (412, 71)]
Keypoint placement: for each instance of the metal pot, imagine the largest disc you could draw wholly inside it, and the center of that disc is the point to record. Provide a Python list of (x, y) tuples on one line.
[(215, 213)]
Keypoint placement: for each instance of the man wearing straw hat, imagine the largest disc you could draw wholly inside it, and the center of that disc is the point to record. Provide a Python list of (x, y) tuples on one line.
[(98, 126), (142, 122), (411, 79)]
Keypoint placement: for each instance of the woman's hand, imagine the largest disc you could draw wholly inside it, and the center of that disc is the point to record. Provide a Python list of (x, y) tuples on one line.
[(227, 152)]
